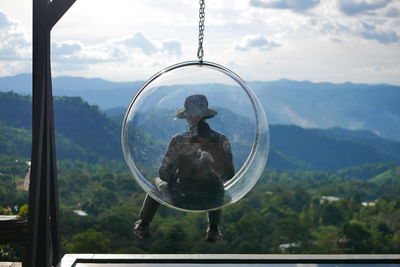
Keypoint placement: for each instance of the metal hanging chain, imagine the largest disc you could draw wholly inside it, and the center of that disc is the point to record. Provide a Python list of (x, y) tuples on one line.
[(202, 15)]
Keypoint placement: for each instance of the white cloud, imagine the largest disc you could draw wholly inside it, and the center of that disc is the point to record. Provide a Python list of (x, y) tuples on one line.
[(255, 42), (294, 5), (327, 22), (72, 55), (8, 68), (392, 12), (75, 56), (138, 40), (352, 29), (66, 49), (149, 47), (295, 118), (134, 50), (14, 43), (4, 22), (373, 33), (172, 47), (140, 37), (352, 7)]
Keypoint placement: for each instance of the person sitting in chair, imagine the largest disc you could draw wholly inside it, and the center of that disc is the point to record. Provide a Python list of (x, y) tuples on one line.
[(193, 170)]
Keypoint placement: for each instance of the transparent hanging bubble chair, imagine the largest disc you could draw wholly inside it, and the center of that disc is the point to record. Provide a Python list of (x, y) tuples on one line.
[(195, 137)]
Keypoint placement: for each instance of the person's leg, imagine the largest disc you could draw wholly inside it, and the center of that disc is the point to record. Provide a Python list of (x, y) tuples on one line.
[(214, 218), (149, 209), (150, 206)]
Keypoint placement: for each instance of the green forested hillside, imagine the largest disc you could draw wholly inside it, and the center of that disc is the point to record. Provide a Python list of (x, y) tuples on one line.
[(84, 132), (14, 142), (287, 212), (292, 147), (322, 192), (364, 137), (15, 110), (321, 151), (348, 105)]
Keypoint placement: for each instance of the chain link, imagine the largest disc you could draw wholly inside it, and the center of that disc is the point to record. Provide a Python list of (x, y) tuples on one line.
[(202, 15)]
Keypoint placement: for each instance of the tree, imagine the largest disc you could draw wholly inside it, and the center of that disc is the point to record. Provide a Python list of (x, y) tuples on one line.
[(331, 214), (355, 237), (89, 242)]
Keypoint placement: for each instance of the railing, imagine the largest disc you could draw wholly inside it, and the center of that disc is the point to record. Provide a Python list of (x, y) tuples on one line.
[(13, 229), (78, 260)]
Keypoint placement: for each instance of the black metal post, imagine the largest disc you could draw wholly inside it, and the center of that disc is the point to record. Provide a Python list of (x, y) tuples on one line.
[(43, 245)]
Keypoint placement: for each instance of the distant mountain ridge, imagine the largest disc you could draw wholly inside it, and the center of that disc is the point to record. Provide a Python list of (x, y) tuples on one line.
[(22, 84), (306, 104), (83, 132), (86, 133), (95, 91)]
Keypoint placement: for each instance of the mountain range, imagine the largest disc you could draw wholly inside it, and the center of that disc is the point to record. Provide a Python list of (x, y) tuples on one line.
[(84, 132), (310, 105)]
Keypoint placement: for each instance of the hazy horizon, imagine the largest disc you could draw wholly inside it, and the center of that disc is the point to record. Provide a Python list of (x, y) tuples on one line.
[(247, 81)]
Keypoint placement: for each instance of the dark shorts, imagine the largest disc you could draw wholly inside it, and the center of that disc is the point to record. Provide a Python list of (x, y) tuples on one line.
[(187, 198)]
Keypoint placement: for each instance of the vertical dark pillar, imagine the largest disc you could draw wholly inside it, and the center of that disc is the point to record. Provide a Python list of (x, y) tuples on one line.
[(43, 245)]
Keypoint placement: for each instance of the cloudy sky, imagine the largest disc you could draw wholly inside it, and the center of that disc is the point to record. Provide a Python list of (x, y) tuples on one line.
[(124, 40)]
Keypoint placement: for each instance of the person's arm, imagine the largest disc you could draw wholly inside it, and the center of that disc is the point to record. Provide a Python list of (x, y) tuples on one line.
[(229, 170), (170, 161)]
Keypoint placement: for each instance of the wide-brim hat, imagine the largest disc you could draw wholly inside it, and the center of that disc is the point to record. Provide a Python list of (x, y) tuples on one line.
[(196, 106)]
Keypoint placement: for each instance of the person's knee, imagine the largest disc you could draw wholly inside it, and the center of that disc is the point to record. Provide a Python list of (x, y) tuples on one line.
[(161, 186)]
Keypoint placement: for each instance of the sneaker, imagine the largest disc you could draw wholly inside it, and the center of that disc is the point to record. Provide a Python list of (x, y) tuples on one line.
[(141, 231), (213, 235)]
